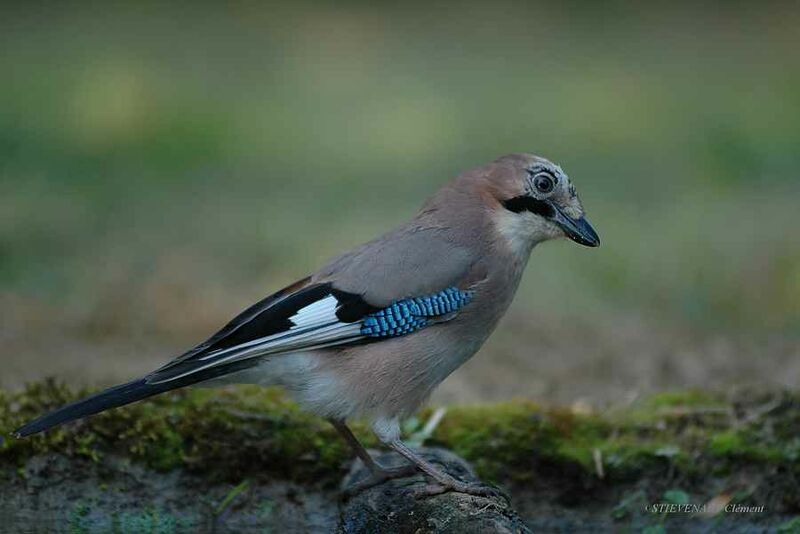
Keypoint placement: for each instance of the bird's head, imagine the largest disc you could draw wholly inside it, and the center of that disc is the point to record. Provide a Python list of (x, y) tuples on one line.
[(535, 201)]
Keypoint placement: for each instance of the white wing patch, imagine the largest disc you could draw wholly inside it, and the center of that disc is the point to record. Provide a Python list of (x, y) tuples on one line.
[(313, 326), (320, 311)]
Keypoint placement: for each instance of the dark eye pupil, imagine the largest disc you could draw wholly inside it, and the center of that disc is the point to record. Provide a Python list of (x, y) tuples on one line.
[(543, 184)]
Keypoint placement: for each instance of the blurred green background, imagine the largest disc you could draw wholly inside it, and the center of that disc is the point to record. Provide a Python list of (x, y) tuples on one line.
[(162, 167)]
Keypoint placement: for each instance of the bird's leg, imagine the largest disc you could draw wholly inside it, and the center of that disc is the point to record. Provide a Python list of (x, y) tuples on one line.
[(356, 445), (378, 473), (444, 481)]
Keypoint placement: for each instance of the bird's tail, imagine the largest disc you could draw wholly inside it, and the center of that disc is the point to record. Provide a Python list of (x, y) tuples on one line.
[(110, 398), (120, 396)]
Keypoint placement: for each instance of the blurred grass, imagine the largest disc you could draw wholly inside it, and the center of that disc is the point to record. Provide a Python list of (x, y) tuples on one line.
[(161, 166)]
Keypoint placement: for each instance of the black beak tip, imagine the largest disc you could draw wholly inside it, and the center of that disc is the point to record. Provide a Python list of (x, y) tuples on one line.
[(586, 241), (583, 233), (593, 240)]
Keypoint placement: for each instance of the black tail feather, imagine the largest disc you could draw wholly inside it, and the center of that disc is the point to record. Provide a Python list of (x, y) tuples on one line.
[(121, 395), (110, 398)]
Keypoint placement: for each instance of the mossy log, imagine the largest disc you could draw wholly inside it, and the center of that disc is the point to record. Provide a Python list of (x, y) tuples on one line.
[(565, 468), (394, 507)]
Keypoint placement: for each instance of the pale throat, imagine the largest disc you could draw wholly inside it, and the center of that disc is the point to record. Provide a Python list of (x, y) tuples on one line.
[(520, 232)]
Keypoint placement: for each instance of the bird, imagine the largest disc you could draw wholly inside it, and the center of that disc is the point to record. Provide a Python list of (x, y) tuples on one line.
[(373, 332)]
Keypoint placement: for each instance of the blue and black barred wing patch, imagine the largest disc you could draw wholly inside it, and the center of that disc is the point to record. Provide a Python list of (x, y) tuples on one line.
[(308, 317), (407, 315)]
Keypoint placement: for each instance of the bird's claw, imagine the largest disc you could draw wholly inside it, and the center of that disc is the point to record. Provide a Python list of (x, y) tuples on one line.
[(458, 486), (379, 477)]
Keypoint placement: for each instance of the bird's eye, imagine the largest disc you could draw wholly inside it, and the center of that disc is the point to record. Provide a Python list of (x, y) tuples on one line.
[(543, 183)]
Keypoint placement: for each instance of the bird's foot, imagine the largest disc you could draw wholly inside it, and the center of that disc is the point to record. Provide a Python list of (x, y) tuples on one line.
[(477, 489), (379, 477)]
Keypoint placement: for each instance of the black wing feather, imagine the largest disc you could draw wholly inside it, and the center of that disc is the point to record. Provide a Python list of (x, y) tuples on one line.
[(243, 328), (268, 317)]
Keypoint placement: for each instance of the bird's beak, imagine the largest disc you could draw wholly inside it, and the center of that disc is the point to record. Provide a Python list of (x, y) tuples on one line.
[(579, 230)]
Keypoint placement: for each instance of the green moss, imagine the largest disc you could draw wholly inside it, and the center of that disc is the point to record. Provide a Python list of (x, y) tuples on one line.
[(495, 437), (743, 445), (725, 443), (232, 433)]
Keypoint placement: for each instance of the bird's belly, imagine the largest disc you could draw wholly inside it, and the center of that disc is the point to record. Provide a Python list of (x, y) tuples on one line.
[(393, 378), (310, 383)]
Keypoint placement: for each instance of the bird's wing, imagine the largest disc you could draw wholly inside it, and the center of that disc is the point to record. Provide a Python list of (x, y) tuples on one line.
[(372, 299), (409, 262), (302, 316)]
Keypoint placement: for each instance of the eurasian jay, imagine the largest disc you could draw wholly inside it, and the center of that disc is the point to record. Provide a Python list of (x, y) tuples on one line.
[(375, 330)]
